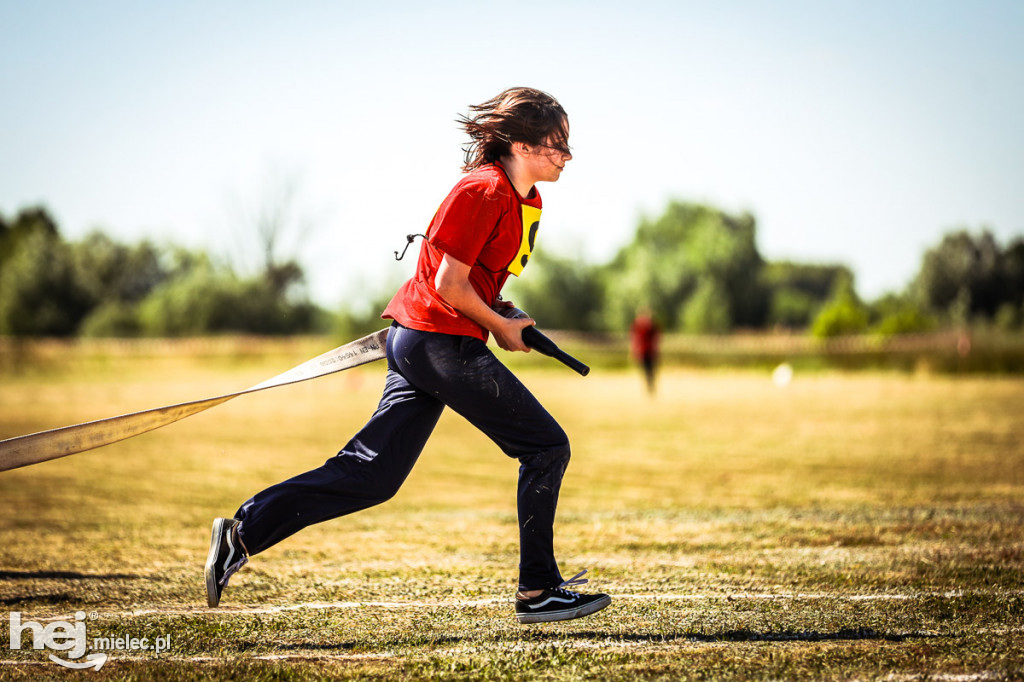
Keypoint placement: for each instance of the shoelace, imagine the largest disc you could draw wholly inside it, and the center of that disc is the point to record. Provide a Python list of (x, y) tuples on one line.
[(232, 569), (574, 581), (577, 579)]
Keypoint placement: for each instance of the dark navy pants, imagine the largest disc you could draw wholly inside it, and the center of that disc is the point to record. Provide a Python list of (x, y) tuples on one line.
[(426, 372)]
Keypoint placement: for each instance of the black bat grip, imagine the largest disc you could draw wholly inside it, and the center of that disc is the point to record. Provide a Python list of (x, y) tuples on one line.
[(536, 340)]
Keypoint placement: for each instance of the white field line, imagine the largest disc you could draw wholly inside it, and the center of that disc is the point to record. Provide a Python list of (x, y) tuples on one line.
[(882, 596), (471, 603), (229, 611), (945, 677)]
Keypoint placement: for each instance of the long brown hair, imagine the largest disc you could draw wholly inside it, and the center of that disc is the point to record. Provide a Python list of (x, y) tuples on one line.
[(516, 115)]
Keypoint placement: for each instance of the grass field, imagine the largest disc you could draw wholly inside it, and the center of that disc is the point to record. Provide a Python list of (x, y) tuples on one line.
[(849, 526)]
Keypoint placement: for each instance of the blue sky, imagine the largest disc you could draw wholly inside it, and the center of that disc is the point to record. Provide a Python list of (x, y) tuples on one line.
[(855, 132)]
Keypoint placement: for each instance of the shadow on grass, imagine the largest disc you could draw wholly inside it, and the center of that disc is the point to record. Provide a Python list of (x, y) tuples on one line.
[(847, 634), (39, 599), (60, 598), (66, 575), (339, 646)]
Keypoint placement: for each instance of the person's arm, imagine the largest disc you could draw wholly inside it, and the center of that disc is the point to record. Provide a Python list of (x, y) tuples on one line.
[(452, 283)]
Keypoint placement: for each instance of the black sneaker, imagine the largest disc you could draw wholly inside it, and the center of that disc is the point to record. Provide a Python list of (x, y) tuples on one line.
[(227, 555), (558, 603)]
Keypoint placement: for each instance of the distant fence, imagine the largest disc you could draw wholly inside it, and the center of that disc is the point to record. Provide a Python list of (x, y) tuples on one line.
[(945, 352), (18, 354), (197, 345)]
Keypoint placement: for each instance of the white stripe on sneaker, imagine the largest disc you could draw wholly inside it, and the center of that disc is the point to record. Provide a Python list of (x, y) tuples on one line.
[(548, 601)]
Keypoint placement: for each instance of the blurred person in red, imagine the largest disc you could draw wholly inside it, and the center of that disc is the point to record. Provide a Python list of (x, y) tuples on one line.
[(644, 334)]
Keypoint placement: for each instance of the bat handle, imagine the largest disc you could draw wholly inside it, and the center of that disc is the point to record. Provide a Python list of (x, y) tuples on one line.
[(536, 340), (571, 362), (533, 338)]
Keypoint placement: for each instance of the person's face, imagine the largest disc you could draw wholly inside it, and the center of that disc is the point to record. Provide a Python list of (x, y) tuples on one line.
[(547, 161)]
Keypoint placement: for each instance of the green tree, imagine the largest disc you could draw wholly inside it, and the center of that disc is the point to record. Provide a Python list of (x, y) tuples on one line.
[(798, 290), (895, 314), (195, 299), (112, 319), (560, 293), (39, 295), (1012, 271), (110, 271), (688, 246), (963, 276), (707, 310), (202, 296), (844, 313), (101, 287), (28, 222), (115, 277)]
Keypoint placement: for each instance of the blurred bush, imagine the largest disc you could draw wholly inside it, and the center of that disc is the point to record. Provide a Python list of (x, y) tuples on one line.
[(101, 287)]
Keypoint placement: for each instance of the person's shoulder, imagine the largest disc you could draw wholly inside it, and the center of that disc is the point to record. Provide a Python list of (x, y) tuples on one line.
[(489, 181)]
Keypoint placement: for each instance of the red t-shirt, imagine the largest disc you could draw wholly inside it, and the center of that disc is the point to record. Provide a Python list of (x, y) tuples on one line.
[(480, 223), (644, 334)]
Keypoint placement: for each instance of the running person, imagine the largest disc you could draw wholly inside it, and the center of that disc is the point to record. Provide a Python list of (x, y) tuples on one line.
[(644, 334), (437, 356)]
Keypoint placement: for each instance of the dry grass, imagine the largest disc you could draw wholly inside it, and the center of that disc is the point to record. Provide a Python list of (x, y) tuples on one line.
[(848, 526)]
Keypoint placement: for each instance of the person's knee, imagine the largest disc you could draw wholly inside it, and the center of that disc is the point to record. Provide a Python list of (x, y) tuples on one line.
[(553, 457), (365, 480), (562, 451), (385, 490), (561, 455)]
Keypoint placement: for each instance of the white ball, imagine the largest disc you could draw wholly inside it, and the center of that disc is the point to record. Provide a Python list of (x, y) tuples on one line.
[(782, 375)]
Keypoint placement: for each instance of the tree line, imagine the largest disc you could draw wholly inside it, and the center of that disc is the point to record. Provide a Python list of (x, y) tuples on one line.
[(100, 287), (695, 267), (698, 270)]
